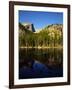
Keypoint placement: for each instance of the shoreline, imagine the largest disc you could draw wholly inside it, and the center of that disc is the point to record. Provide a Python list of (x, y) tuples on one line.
[(22, 47)]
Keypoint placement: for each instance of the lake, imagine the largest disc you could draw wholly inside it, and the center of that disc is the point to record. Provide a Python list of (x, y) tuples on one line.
[(40, 63)]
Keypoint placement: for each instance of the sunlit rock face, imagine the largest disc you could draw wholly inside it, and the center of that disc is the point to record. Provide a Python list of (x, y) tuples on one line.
[(27, 26)]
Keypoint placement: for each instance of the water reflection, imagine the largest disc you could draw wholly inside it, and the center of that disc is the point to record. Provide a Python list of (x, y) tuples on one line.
[(39, 63)]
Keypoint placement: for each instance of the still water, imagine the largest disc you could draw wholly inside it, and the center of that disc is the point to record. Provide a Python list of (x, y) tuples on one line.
[(40, 63)]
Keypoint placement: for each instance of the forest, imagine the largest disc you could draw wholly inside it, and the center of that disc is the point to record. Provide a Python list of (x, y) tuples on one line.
[(49, 36)]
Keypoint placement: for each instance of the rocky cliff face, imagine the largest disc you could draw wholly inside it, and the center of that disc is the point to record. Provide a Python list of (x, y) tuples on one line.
[(54, 27), (27, 26), (30, 27)]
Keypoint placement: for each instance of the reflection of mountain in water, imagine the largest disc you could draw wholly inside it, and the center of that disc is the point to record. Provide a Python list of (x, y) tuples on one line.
[(27, 62), (36, 63)]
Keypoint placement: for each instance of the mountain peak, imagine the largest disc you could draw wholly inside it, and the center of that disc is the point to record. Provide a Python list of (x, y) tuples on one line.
[(28, 26)]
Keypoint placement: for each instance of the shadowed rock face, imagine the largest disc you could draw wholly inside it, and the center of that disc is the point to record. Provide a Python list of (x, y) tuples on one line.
[(33, 29), (29, 27)]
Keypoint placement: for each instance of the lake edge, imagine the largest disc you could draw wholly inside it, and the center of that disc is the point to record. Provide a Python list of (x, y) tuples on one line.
[(22, 47)]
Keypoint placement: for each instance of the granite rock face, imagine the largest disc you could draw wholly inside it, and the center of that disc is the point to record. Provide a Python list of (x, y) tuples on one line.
[(27, 26)]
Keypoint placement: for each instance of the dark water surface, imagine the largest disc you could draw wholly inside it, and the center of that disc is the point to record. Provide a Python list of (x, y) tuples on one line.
[(40, 63)]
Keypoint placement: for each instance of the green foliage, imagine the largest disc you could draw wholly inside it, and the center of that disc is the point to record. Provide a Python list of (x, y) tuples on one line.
[(48, 37)]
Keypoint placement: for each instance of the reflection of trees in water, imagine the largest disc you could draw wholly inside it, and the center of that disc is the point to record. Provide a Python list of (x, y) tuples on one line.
[(48, 57)]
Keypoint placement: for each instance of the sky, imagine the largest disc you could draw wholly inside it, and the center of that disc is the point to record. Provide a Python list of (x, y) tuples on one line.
[(40, 19)]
